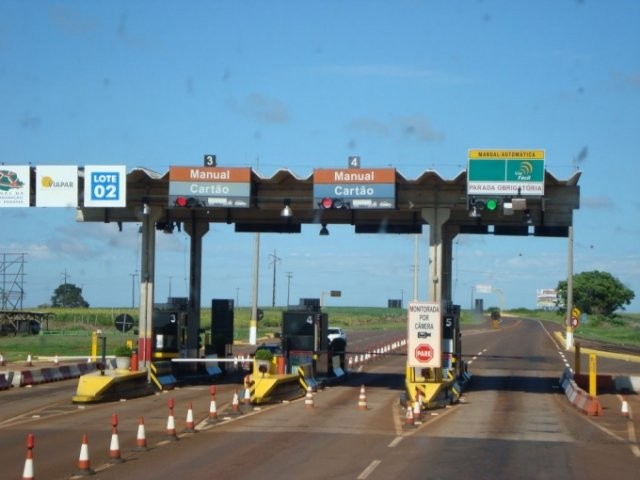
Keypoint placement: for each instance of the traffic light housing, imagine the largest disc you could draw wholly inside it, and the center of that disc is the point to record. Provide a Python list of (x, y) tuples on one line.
[(186, 202), (484, 203), (330, 203)]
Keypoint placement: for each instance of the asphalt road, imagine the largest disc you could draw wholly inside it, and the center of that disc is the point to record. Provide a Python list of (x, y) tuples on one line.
[(513, 422)]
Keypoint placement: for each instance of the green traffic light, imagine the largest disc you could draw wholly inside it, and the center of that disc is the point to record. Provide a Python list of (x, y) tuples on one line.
[(491, 204)]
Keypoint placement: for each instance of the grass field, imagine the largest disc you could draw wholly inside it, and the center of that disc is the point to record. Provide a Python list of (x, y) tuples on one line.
[(69, 332)]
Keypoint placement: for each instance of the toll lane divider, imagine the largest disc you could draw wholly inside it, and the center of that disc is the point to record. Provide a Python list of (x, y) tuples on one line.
[(358, 359), (580, 399), (36, 376)]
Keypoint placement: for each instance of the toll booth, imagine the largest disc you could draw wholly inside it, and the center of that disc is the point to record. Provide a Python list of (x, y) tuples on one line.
[(220, 340), (169, 323), (304, 337), (451, 341)]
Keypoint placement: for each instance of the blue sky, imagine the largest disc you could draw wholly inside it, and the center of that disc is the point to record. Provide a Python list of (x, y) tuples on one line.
[(300, 85)]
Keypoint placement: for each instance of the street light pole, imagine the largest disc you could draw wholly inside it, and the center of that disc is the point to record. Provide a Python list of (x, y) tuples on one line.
[(253, 324), (133, 289), (569, 339)]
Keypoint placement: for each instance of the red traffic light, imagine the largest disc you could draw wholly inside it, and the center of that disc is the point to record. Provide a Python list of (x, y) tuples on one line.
[(185, 202), (326, 203)]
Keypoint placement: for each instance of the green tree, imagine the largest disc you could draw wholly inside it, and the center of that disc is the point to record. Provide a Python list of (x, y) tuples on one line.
[(68, 295), (596, 293)]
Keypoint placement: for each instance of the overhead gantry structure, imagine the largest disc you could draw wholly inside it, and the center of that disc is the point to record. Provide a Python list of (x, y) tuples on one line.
[(442, 204)]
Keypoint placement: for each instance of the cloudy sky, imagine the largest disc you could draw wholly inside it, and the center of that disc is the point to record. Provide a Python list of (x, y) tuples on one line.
[(300, 85)]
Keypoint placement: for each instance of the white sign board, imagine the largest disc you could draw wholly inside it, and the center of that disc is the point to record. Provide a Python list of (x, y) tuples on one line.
[(56, 186), (14, 185), (105, 186), (424, 336), (484, 289)]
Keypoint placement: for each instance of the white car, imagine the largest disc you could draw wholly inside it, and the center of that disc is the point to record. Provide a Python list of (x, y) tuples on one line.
[(336, 332)]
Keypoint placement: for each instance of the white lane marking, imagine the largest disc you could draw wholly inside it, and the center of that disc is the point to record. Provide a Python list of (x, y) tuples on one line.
[(395, 442), (367, 471)]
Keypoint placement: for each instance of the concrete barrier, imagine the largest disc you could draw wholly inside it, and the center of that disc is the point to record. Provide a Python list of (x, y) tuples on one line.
[(580, 399), (37, 376), (5, 382)]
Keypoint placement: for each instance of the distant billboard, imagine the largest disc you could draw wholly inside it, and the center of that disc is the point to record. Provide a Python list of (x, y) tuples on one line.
[(14, 185), (57, 186), (546, 298)]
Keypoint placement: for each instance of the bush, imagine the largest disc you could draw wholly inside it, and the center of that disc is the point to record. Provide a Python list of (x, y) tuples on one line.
[(122, 351), (264, 354)]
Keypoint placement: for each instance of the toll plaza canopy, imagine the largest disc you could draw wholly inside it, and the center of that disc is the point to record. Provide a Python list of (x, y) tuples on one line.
[(546, 215), (372, 200)]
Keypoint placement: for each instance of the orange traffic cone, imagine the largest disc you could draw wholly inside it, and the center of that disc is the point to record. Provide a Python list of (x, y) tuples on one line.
[(171, 423), (190, 424), (362, 400), (235, 404), (308, 401), (213, 410), (2, 362), (416, 410), (27, 472), (141, 437), (29, 361), (84, 467), (408, 418), (624, 409), (114, 446)]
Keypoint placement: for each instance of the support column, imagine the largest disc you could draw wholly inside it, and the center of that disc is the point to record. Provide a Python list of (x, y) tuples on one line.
[(449, 232), (147, 279), (436, 218), (196, 230)]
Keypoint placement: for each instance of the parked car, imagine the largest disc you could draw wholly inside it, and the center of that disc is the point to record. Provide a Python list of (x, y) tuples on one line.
[(336, 332)]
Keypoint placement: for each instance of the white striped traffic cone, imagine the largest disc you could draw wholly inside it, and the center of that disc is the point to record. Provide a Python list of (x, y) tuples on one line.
[(416, 410), (84, 465), (624, 409), (308, 401), (141, 437), (190, 428), (213, 409), (27, 472), (235, 403), (171, 423), (362, 400), (114, 446), (408, 418)]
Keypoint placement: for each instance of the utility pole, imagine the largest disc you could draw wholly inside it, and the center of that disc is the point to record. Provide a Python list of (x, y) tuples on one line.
[(65, 293), (289, 275), (274, 261)]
